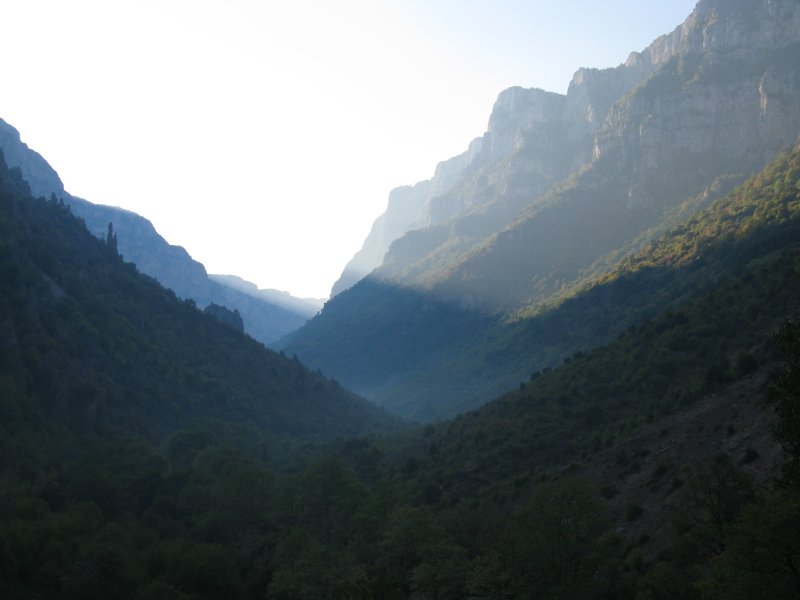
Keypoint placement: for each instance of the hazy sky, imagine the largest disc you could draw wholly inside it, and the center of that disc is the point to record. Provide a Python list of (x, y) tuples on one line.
[(264, 136)]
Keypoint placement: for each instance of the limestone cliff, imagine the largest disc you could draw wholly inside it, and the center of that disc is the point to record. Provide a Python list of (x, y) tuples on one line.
[(561, 189), (717, 97), (626, 114), (534, 138), (408, 209)]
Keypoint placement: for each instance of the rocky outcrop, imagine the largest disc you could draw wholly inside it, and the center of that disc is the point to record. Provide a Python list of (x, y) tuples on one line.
[(515, 111), (727, 87), (41, 177), (139, 242), (719, 96), (535, 139), (406, 211), (521, 120), (409, 208)]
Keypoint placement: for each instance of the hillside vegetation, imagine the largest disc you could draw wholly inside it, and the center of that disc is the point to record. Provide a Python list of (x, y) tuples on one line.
[(91, 344), (114, 495)]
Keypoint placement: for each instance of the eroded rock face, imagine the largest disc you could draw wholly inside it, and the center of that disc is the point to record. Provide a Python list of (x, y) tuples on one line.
[(41, 178), (563, 188), (409, 208), (516, 110), (719, 94), (533, 139), (406, 211), (465, 182)]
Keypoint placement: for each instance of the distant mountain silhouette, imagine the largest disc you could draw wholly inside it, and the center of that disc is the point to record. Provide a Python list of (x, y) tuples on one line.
[(93, 345), (140, 243)]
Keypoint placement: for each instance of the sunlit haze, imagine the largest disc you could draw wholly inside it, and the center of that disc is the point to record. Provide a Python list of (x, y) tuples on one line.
[(265, 136)]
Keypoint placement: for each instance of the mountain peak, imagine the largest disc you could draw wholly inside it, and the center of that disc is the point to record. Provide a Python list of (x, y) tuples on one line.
[(41, 177), (140, 243)]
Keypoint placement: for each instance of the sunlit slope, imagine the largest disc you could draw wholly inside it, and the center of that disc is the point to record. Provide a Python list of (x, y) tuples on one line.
[(757, 220), (709, 298)]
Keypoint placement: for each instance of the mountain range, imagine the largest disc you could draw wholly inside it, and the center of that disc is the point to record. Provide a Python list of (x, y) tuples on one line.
[(150, 451), (91, 343), (267, 314), (594, 313), (556, 193)]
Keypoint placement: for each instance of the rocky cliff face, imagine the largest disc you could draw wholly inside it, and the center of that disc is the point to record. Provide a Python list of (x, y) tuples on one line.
[(563, 187), (536, 139), (409, 208), (406, 211), (521, 121), (42, 179), (139, 242), (717, 97)]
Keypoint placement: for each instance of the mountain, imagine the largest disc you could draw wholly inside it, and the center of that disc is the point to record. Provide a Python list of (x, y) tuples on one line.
[(222, 314), (559, 190), (139, 242), (407, 210), (649, 447), (697, 310), (90, 344), (306, 307), (642, 469)]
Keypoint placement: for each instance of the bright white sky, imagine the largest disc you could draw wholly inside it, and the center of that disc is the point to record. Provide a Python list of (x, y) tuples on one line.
[(264, 136)]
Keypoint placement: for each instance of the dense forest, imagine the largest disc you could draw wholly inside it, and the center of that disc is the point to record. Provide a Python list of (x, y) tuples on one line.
[(149, 450)]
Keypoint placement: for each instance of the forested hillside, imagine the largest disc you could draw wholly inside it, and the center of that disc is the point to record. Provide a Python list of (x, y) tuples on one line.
[(643, 469), (135, 467), (91, 344), (595, 324)]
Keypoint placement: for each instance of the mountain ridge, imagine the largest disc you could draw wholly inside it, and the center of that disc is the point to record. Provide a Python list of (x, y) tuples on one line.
[(528, 235), (91, 344), (141, 244)]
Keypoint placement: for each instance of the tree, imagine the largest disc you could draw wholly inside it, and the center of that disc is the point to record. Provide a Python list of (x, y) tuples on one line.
[(554, 546), (785, 394), (111, 239), (714, 500), (762, 558)]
